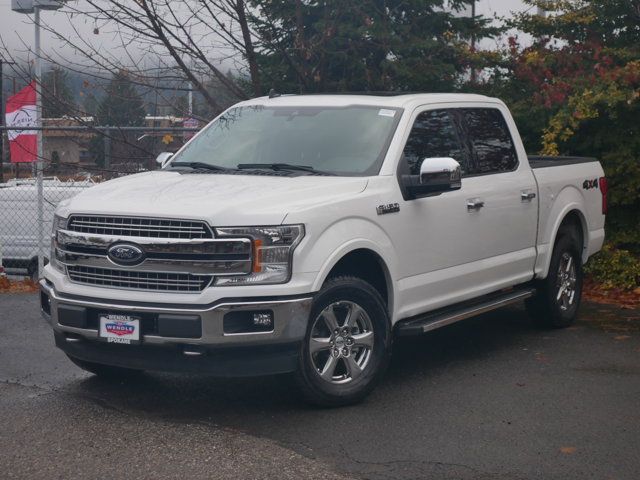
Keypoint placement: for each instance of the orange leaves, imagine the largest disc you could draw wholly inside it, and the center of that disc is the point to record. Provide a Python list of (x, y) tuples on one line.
[(568, 450), (622, 337), (616, 296), (17, 286)]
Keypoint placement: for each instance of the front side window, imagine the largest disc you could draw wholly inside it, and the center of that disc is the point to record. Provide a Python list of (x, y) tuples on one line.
[(348, 140), (433, 135), (489, 140)]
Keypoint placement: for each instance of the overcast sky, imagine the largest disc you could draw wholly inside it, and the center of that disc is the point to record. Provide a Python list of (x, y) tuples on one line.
[(16, 29)]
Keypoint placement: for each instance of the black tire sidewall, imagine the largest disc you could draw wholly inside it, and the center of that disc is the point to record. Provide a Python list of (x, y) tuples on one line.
[(322, 392), (558, 318)]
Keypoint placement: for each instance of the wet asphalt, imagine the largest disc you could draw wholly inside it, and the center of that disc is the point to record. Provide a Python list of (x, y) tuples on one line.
[(488, 398)]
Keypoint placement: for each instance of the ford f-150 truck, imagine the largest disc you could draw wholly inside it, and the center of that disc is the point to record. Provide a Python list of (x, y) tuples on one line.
[(303, 233)]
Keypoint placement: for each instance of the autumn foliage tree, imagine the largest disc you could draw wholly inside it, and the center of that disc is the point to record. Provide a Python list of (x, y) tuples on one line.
[(579, 85), (575, 90)]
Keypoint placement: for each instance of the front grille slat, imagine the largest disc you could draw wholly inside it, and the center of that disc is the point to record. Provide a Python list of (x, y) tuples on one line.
[(158, 282), (151, 281), (140, 227), (145, 228)]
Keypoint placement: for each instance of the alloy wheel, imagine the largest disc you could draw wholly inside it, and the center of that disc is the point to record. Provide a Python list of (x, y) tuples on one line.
[(566, 282), (341, 342)]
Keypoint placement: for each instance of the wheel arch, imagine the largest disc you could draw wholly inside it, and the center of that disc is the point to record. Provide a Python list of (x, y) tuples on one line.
[(363, 260), (572, 215), (575, 219)]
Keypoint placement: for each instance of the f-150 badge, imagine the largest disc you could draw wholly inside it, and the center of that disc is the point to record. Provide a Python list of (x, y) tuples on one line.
[(388, 208)]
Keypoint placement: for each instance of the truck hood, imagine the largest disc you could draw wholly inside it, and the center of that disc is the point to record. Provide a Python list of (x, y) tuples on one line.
[(221, 200)]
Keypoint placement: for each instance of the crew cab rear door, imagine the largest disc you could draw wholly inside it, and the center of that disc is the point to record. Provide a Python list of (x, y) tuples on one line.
[(501, 180)]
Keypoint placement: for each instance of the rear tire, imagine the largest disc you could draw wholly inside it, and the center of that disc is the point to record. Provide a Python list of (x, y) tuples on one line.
[(105, 371), (347, 345), (558, 298)]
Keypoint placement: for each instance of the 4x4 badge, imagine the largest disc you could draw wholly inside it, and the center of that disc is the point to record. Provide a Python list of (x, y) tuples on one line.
[(388, 208)]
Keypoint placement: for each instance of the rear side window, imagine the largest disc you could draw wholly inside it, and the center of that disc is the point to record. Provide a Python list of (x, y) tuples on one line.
[(432, 135), (489, 139)]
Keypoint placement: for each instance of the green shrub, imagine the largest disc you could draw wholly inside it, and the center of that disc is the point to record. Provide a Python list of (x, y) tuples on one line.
[(615, 268)]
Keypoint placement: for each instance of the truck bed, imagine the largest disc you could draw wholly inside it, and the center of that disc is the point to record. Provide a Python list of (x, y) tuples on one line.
[(540, 161)]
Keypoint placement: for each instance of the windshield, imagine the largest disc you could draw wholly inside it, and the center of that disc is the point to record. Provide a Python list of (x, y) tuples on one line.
[(345, 141)]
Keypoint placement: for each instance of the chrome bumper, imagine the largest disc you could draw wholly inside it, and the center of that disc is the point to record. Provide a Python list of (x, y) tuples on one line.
[(290, 316)]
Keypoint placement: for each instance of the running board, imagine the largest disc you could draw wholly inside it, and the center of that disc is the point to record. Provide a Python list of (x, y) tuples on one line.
[(440, 318)]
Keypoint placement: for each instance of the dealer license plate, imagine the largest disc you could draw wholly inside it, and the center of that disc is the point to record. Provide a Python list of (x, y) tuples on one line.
[(123, 329)]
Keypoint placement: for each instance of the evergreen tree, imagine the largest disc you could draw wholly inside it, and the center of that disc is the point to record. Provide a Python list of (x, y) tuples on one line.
[(57, 98), (90, 104), (180, 106), (579, 84), (366, 45), (121, 105)]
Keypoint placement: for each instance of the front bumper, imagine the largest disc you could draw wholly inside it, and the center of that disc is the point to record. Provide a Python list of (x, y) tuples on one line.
[(185, 338)]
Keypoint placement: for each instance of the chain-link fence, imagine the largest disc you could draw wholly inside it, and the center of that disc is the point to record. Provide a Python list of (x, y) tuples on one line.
[(74, 159)]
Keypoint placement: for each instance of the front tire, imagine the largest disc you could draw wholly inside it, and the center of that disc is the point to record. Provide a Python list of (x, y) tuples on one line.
[(558, 299), (347, 345)]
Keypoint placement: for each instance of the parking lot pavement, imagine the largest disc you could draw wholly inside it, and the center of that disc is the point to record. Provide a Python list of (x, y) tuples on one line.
[(489, 398)]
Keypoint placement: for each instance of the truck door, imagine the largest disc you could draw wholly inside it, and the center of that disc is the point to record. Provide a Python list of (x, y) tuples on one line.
[(507, 191), (464, 243)]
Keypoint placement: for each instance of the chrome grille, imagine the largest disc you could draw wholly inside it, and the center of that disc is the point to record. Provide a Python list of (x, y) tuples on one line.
[(139, 227), (138, 280)]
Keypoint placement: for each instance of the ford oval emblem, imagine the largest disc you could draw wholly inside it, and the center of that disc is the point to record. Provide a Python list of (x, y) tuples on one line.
[(125, 254)]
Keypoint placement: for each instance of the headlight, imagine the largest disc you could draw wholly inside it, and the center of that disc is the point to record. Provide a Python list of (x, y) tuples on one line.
[(59, 223), (272, 253)]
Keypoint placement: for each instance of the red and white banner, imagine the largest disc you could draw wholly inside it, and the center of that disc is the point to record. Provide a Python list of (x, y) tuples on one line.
[(21, 112)]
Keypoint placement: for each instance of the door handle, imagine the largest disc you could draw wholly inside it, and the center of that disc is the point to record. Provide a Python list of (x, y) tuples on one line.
[(527, 196), (474, 204)]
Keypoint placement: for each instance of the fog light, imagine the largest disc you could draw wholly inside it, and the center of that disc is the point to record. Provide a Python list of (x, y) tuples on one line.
[(248, 321), (263, 319)]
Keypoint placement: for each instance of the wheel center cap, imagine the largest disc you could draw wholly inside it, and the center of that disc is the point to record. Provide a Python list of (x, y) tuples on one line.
[(339, 341)]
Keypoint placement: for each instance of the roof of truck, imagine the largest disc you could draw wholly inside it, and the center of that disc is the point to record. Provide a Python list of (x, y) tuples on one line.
[(388, 99)]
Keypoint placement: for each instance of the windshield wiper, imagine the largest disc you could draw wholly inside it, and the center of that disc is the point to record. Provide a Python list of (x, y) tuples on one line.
[(202, 165), (281, 166)]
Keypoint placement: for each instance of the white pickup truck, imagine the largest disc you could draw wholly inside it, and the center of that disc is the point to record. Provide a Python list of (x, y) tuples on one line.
[(303, 233)]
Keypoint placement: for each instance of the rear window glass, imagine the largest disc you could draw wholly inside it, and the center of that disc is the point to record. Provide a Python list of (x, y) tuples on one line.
[(490, 140)]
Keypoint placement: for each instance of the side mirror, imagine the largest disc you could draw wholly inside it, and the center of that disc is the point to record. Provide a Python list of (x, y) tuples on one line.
[(437, 175), (163, 158)]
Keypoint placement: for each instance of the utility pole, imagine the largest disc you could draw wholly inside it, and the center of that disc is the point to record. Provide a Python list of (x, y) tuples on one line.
[(35, 6), (1, 124), (39, 164)]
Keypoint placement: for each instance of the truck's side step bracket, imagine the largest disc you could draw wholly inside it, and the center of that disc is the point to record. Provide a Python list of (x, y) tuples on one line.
[(440, 318)]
